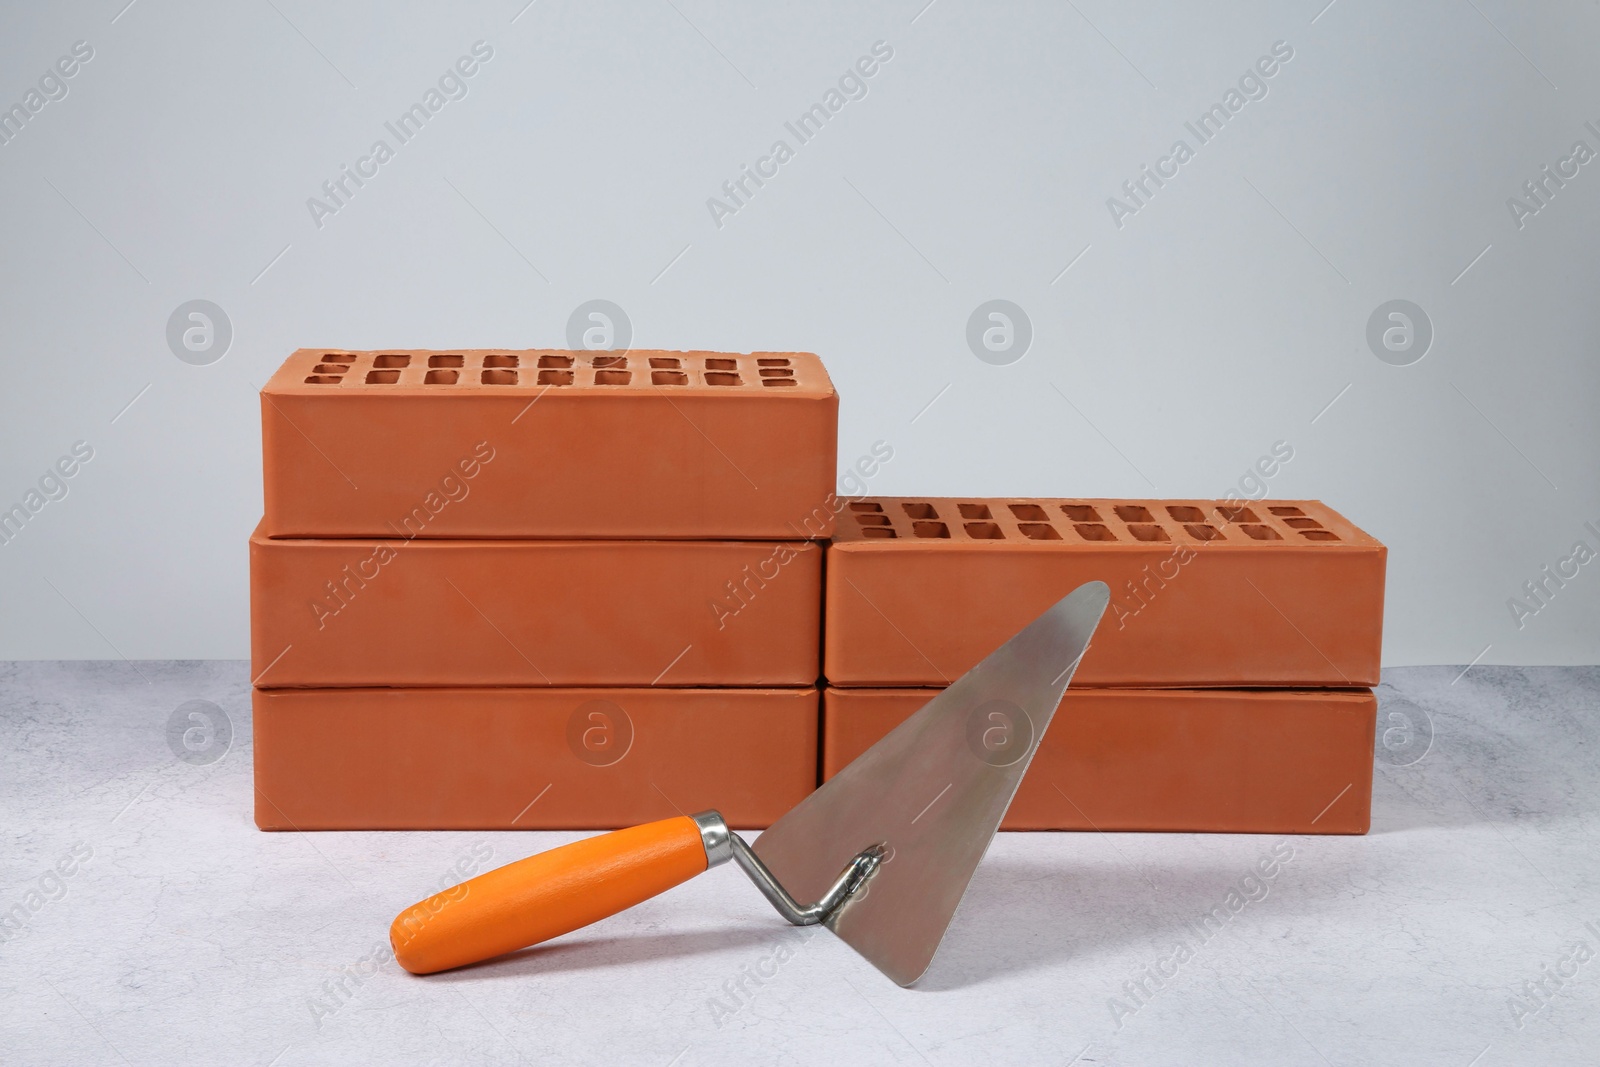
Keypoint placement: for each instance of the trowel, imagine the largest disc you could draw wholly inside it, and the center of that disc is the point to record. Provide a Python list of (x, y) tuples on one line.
[(885, 848)]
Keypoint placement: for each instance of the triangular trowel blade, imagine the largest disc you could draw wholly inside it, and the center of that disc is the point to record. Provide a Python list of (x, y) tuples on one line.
[(933, 791)]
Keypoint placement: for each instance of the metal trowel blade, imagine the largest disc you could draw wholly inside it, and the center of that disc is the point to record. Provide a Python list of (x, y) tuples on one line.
[(933, 792)]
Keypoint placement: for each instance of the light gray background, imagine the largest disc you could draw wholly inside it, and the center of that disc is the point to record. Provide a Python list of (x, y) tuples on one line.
[(1228, 314)]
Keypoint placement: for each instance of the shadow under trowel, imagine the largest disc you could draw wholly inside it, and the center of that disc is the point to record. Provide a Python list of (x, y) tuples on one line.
[(1020, 917), (578, 953)]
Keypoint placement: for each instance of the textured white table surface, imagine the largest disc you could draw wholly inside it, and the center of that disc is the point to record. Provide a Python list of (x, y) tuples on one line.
[(184, 935)]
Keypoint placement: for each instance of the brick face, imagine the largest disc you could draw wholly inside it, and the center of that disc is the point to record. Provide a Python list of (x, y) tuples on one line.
[(374, 612), (502, 759), (1270, 593), (642, 444), (1231, 761)]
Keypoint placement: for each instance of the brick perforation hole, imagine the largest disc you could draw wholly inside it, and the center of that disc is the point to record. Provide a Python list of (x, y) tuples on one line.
[(1257, 532)]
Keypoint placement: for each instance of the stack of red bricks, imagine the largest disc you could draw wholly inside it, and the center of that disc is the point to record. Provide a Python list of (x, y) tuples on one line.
[(539, 589), (1227, 687), (551, 589)]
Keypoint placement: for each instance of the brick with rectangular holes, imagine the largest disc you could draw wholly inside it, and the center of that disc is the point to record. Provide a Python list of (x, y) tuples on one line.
[(520, 759), (371, 611), (544, 443), (1176, 760), (1203, 593)]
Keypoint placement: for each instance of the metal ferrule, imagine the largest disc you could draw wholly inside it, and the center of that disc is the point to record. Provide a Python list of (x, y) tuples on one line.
[(715, 836)]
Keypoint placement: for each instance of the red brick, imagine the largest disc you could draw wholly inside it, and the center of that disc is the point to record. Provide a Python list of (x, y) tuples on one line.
[(1231, 761), (508, 759), (479, 443), (534, 612), (1283, 593)]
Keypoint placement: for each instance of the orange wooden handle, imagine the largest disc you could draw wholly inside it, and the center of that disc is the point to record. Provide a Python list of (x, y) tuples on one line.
[(547, 895)]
